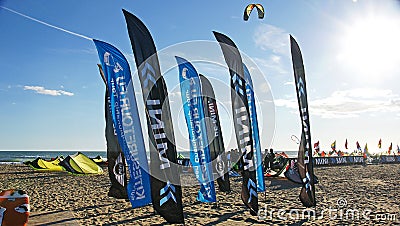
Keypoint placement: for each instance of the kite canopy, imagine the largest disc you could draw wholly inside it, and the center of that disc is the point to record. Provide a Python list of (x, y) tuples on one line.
[(80, 164), (99, 160), (42, 164), (76, 164), (249, 8)]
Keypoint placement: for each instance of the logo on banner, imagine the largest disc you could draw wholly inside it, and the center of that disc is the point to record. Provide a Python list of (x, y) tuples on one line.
[(238, 83), (169, 189), (220, 166), (252, 189), (184, 70), (148, 74), (116, 65)]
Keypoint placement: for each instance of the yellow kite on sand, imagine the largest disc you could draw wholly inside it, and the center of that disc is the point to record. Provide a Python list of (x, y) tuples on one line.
[(75, 164), (45, 165), (80, 164)]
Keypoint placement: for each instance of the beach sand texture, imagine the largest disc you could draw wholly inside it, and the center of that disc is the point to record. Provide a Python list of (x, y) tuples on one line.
[(367, 195)]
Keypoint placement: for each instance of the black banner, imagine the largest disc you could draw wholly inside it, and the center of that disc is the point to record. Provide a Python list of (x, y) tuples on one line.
[(305, 158), (214, 134), (115, 157), (241, 120), (165, 179)]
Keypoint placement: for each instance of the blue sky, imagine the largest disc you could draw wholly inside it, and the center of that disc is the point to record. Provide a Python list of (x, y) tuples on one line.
[(52, 95)]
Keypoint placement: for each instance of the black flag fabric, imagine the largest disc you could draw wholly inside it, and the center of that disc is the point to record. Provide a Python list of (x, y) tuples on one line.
[(305, 159), (241, 120), (214, 134), (165, 179), (115, 157)]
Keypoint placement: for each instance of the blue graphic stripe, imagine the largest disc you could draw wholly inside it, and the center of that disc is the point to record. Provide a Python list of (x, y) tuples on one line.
[(255, 131), (127, 122), (169, 189), (200, 155)]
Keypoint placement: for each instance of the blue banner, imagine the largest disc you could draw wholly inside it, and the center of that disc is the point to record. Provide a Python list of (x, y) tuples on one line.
[(195, 119), (333, 161), (389, 159), (127, 122), (254, 129)]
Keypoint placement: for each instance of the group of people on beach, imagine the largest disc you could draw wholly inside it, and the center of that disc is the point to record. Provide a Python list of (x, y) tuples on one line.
[(268, 159)]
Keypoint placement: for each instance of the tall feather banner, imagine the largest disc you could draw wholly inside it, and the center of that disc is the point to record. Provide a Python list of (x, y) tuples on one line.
[(165, 180), (255, 132), (214, 135), (115, 157), (241, 120), (126, 120), (195, 120), (305, 158)]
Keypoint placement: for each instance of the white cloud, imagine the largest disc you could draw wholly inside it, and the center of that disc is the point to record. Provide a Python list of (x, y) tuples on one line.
[(289, 83), (395, 102), (51, 92), (349, 103), (272, 65), (366, 93), (286, 103), (176, 94), (269, 37)]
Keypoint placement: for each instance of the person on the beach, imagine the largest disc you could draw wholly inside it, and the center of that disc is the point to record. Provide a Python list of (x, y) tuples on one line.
[(269, 159), (365, 159), (265, 153), (235, 159)]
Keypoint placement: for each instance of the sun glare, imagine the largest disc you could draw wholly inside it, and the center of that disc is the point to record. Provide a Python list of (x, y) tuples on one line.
[(370, 46)]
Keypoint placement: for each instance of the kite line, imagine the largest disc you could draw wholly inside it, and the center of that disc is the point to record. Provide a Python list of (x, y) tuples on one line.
[(44, 23)]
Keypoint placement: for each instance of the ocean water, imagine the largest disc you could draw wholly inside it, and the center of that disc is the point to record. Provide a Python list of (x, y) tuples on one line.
[(16, 156), (290, 154), (22, 156)]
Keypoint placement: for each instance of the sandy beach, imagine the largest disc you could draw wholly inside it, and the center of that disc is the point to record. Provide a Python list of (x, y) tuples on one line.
[(346, 195)]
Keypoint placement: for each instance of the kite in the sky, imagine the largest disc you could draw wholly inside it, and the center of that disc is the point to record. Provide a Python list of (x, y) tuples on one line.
[(249, 8)]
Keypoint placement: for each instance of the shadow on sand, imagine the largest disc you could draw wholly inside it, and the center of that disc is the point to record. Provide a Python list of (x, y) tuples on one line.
[(281, 184)]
